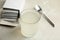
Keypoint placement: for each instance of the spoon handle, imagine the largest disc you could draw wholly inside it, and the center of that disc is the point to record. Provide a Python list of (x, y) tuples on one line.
[(51, 23)]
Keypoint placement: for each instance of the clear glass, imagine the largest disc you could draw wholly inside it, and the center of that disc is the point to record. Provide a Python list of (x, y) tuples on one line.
[(28, 21)]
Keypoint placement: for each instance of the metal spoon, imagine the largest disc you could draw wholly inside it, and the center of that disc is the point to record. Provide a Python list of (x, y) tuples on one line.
[(38, 8)]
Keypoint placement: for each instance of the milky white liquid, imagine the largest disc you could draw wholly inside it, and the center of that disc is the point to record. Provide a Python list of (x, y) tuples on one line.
[(28, 21), (30, 16)]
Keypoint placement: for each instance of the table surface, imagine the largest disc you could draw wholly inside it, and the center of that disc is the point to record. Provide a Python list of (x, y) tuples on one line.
[(51, 8)]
